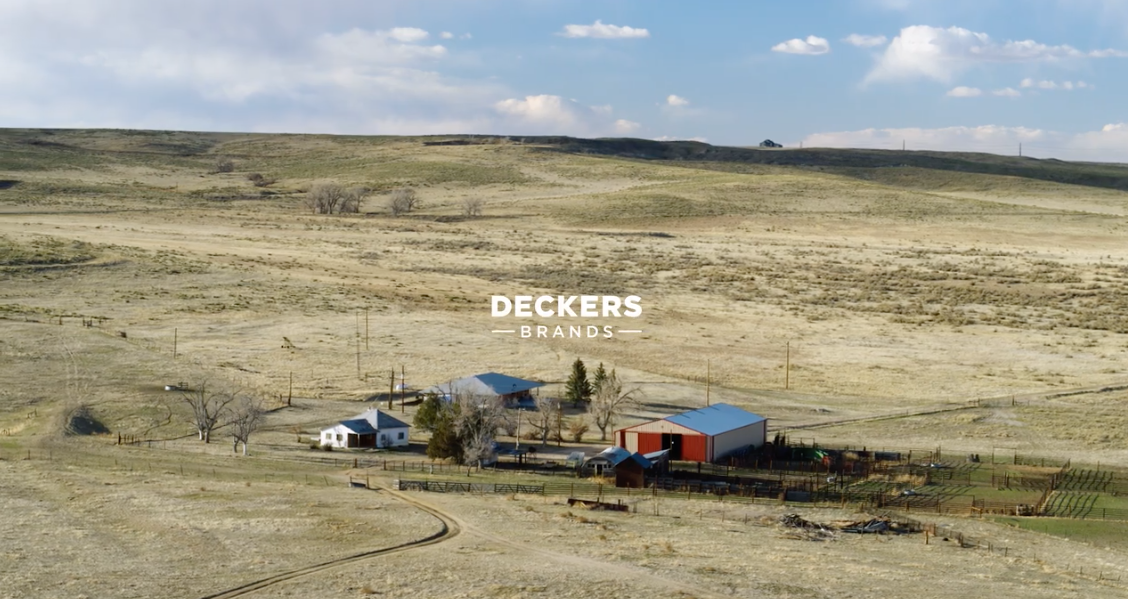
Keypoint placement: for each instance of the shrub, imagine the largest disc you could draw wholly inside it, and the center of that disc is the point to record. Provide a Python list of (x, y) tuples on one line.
[(223, 165), (472, 207), (402, 201), (260, 181)]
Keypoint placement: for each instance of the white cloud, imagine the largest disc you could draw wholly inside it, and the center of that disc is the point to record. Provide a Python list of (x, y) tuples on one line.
[(865, 41), (604, 31), (236, 66), (1110, 143), (921, 51), (625, 126), (553, 115), (407, 34), (964, 92), (811, 46), (446, 35), (676, 101), (1008, 92), (465, 36), (1047, 84), (671, 138)]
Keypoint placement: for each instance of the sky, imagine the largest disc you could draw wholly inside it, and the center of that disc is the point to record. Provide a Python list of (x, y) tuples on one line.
[(967, 75)]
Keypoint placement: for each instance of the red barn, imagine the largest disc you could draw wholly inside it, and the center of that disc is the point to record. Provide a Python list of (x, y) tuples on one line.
[(704, 435)]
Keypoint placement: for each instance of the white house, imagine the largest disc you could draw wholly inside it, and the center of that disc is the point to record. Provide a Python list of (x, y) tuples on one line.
[(372, 429)]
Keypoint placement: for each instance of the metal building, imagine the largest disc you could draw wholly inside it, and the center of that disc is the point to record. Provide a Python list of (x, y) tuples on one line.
[(704, 435)]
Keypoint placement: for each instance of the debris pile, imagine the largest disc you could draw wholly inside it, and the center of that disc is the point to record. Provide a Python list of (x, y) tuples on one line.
[(799, 528), (802, 528)]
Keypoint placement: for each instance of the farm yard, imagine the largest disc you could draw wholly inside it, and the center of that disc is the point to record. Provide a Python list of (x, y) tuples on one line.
[(904, 309)]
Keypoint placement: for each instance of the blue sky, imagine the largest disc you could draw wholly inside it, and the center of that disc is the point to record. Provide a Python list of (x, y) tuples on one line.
[(937, 74)]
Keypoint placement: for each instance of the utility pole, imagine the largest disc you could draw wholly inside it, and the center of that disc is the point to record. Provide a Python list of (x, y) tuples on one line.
[(403, 387), (358, 347), (902, 145), (290, 394), (787, 368), (708, 375), (366, 328), (1020, 149), (391, 388)]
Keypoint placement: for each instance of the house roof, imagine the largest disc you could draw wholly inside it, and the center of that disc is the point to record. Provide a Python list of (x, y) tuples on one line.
[(618, 455), (715, 419), (359, 426), (382, 421), (489, 383), (370, 422)]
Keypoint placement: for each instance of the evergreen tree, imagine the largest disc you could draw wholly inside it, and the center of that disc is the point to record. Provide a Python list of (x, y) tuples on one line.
[(578, 389), (428, 415), (445, 441), (598, 379)]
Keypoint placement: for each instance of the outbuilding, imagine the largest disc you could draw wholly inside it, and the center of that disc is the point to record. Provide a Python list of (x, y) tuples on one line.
[(706, 435), (629, 468), (509, 389), (372, 429)]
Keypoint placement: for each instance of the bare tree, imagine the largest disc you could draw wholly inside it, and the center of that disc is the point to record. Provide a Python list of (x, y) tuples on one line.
[(324, 197), (350, 202), (223, 164), (246, 418), (477, 422), (610, 401), (543, 420), (577, 426), (402, 201), (472, 207), (208, 408)]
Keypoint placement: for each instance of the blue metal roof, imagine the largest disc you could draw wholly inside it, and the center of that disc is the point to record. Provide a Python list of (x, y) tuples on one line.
[(359, 426), (382, 421), (489, 383), (618, 455), (715, 419)]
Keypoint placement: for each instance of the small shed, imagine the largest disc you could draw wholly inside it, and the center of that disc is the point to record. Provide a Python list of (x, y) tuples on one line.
[(372, 430), (629, 468), (705, 435)]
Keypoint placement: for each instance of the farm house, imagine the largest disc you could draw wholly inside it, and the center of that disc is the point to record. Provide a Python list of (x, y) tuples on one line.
[(372, 429), (705, 435)]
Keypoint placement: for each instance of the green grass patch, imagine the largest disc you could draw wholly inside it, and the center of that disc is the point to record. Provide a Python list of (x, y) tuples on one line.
[(1101, 533)]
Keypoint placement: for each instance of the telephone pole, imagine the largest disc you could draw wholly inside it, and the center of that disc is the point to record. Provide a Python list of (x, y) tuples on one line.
[(403, 387), (391, 388), (787, 368), (1020, 149), (708, 376), (366, 328), (358, 347)]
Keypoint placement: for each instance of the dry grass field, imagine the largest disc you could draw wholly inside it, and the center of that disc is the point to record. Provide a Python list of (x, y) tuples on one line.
[(900, 282)]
